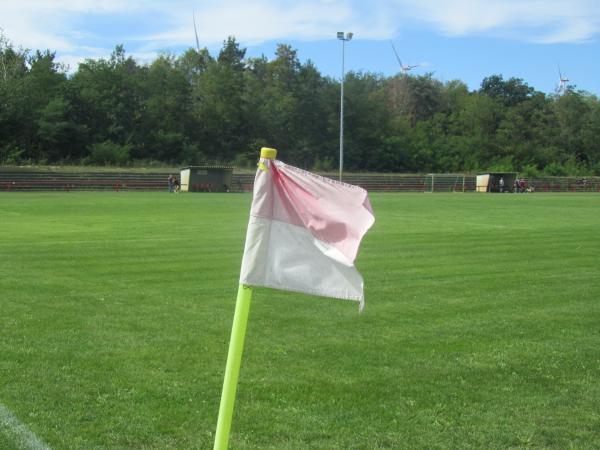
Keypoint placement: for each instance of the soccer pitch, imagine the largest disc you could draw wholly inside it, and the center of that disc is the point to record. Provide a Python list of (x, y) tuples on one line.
[(481, 328)]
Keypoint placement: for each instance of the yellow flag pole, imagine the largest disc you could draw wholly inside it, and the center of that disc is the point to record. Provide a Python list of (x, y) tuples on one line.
[(232, 369), (234, 356)]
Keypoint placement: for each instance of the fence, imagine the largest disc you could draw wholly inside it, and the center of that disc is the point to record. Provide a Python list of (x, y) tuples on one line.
[(37, 180), (44, 180), (565, 184)]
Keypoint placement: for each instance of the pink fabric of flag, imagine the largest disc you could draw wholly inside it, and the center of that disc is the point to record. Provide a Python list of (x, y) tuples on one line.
[(304, 233)]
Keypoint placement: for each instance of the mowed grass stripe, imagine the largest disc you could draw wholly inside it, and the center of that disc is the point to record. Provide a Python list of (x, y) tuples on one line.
[(481, 326)]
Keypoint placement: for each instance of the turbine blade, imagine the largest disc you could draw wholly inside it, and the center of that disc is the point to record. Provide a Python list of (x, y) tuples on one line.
[(397, 57), (196, 32)]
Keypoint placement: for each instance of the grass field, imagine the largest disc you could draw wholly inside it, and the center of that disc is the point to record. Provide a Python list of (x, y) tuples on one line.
[(481, 328)]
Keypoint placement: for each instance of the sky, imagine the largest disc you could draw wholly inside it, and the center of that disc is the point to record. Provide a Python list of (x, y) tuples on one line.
[(461, 39)]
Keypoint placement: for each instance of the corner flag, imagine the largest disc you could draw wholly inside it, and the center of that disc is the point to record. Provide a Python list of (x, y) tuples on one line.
[(303, 236), (304, 233)]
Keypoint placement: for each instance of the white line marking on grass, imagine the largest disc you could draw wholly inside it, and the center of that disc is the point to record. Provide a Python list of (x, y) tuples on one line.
[(22, 435)]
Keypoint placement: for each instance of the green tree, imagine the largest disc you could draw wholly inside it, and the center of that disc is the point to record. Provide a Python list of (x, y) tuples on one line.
[(509, 92), (197, 107), (571, 113), (418, 97), (590, 134), (59, 136), (14, 111), (106, 99), (365, 119), (166, 105), (218, 109)]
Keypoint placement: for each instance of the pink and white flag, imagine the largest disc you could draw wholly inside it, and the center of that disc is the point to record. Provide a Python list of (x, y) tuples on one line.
[(304, 233)]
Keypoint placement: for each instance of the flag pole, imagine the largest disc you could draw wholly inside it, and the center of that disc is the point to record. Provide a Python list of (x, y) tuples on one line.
[(234, 355), (232, 369)]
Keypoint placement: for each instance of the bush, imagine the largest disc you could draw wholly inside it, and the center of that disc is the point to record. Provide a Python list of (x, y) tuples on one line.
[(108, 153), (11, 156), (324, 164), (245, 161), (502, 165), (569, 168), (555, 170), (530, 171), (191, 155)]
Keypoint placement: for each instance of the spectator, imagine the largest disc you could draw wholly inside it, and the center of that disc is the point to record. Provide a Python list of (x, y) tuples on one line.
[(170, 181)]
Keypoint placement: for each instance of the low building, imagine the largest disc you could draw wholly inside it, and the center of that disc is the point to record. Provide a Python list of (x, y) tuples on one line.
[(206, 178), (491, 182)]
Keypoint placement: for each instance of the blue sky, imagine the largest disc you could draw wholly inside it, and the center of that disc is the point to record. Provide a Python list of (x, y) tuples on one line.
[(462, 39)]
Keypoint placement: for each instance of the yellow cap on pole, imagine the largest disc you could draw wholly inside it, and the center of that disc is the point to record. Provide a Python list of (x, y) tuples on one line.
[(268, 153)]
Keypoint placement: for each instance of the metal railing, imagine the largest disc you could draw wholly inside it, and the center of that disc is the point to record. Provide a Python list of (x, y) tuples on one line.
[(37, 180)]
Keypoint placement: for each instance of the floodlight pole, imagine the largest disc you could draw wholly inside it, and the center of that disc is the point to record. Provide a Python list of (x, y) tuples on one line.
[(342, 37)]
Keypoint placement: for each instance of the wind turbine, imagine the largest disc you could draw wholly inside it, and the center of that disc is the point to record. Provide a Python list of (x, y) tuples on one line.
[(562, 82), (196, 32), (403, 68)]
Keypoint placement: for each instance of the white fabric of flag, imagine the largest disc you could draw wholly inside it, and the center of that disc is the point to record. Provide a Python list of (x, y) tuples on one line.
[(304, 233)]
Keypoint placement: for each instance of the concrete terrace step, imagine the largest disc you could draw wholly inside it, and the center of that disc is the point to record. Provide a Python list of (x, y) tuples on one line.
[(39, 180), (44, 180), (24, 180)]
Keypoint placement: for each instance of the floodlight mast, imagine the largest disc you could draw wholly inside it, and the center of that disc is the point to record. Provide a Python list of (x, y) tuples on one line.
[(342, 37)]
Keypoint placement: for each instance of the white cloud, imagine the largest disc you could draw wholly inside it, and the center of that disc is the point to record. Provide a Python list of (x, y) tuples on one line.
[(259, 21), (549, 21), (45, 23), (574, 30), (60, 24), (544, 21)]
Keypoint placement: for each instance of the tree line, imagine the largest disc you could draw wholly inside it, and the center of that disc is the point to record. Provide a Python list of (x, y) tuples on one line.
[(197, 108)]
